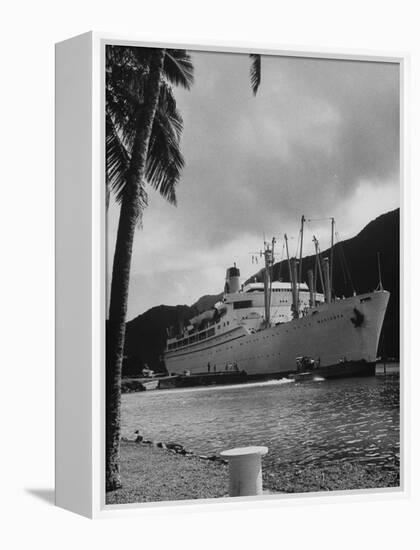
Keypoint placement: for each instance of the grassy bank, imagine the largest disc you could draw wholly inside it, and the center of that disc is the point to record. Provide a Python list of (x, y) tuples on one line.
[(343, 476), (150, 474)]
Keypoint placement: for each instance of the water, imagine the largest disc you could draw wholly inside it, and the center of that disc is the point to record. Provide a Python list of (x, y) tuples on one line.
[(317, 423)]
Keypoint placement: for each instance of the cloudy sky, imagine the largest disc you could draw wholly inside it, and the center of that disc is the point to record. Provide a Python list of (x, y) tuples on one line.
[(321, 138)]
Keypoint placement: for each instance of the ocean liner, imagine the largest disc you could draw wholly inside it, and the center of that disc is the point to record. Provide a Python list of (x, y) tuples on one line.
[(273, 328)]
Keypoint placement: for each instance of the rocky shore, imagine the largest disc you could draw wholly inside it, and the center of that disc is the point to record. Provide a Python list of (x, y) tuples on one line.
[(155, 471)]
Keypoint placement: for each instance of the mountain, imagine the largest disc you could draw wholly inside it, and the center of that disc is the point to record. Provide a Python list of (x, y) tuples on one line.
[(206, 302), (355, 267), (146, 334)]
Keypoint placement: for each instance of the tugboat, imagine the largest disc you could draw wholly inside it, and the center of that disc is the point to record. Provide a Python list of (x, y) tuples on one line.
[(306, 369)]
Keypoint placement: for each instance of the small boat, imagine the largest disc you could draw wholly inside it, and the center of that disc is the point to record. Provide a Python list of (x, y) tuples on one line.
[(302, 376), (149, 384), (149, 380)]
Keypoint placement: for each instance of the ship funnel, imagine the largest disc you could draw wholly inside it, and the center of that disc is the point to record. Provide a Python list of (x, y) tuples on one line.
[(232, 283)]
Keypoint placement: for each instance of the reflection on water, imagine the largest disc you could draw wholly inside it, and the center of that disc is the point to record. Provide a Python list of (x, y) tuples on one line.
[(354, 419)]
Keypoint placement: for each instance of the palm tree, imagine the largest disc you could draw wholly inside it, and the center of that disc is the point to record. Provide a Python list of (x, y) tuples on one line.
[(255, 71), (142, 145)]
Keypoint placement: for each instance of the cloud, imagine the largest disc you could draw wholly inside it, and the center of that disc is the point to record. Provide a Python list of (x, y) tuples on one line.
[(320, 138), (315, 129)]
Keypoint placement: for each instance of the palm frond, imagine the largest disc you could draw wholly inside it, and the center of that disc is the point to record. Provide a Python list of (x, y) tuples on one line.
[(125, 80), (117, 160), (165, 160), (255, 72), (124, 118), (178, 68), (126, 77), (117, 165)]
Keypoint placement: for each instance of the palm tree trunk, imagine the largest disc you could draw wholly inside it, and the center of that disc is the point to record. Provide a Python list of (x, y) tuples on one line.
[(129, 216)]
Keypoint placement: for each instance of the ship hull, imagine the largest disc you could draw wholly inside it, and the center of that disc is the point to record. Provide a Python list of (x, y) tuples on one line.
[(342, 337)]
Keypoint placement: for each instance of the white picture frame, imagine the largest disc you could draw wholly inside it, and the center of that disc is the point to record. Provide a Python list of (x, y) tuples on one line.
[(80, 274)]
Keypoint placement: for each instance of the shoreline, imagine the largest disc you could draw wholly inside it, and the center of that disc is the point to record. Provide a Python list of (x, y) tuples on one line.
[(132, 384), (158, 472)]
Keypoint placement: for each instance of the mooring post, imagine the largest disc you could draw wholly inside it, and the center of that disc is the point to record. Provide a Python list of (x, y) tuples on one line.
[(245, 470)]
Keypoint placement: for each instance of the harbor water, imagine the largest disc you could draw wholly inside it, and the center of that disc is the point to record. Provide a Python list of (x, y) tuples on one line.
[(312, 423)]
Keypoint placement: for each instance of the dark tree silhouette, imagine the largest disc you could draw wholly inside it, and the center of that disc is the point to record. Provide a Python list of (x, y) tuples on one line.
[(143, 129)]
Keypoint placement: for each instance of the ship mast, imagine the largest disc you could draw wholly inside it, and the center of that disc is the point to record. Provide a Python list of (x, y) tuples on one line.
[(311, 288), (288, 258), (269, 261), (327, 281), (299, 282), (302, 221), (292, 263), (295, 291), (273, 242), (318, 263), (332, 254)]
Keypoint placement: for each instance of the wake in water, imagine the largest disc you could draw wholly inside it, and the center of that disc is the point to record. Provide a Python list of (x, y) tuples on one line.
[(225, 387)]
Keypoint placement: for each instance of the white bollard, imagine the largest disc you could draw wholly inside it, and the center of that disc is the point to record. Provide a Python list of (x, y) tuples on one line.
[(245, 471)]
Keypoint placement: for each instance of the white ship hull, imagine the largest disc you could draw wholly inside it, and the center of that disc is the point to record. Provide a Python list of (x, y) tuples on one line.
[(343, 332)]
